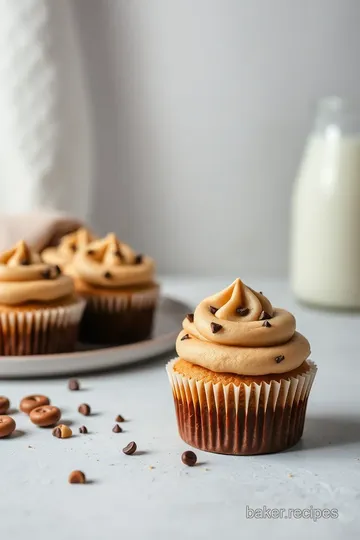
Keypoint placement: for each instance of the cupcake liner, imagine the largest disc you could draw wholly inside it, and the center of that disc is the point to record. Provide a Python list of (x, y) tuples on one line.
[(241, 420), (41, 331), (119, 319)]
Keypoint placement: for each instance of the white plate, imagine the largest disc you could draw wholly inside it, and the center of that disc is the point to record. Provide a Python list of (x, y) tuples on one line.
[(168, 321)]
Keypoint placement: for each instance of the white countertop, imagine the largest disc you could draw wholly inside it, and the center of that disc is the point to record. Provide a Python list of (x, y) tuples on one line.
[(128, 499)]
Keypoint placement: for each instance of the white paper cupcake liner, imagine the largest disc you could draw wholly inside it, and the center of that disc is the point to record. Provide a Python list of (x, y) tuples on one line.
[(41, 331), (241, 420)]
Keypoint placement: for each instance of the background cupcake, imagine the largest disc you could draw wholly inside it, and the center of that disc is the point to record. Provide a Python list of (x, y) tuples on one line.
[(63, 254), (242, 379), (118, 286), (39, 311)]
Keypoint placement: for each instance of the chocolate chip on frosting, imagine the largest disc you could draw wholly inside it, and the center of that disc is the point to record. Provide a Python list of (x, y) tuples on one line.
[(267, 324), (118, 254), (24, 262), (73, 248), (58, 269), (46, 274), (108, 275), (139, 259), (242, 311), (186, 336), (215, 327), (279, 358), (190, 317), (264, 315), (90, 251), (213, 309)]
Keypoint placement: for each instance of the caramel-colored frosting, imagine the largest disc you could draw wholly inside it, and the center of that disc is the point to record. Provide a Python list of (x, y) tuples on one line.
[(238, 331), (24, 277), (110, 263), (68, 246)]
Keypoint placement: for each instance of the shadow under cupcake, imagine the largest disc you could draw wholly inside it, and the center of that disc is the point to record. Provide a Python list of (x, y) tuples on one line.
[(242, 380)]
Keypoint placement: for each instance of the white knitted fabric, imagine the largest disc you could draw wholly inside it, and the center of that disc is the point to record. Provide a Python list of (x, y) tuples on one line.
[(44, 124)]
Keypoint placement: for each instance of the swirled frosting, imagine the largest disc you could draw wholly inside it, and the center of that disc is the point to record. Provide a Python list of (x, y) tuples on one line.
[(24, 277), (238, 331), (110, 263), (68, 246)]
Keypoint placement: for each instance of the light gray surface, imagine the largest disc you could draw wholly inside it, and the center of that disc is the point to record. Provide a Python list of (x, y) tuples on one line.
[(127, 499), (201, 109)]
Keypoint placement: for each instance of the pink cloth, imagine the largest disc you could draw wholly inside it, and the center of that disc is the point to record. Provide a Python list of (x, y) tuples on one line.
[(39, 229)]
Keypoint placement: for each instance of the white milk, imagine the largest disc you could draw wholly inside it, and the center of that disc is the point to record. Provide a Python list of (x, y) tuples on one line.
[(325, 240)]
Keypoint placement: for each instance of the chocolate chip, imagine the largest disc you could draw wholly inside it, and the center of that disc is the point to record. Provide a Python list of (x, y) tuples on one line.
[(57, 433), (77, 477), (130, 448), (213, 309), (25, 262), (242, 311), (186, 336), (46, 274), (84, 409), (108, 275), (264, 315), (73, 384), (190, 317), (73, 248), (119, 418), (139, 259), (215, 327), (189, 458), (83, 429), (90, 251), (279, 359), (267, 324), (260, 292), (118, 253), (117, 429), (57, 269)]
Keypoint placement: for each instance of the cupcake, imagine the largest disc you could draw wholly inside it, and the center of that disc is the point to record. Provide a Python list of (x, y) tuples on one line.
[(119, 289), (39, 311), (242, 379), (63, 254)]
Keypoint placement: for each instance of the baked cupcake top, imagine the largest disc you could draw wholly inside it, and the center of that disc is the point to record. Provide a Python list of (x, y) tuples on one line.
[(68, 246), (24, 277), (109, 263), (238, 331)]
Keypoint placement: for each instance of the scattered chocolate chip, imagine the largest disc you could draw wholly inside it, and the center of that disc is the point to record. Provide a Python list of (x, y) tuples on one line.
[(242, 311), (279, 359), (130, 448), (46, 274), (108, 275), (57, 433), (264, 315), (139, 259), (90, 251), (83, 429), (119, 418), (260, 292), (84, 409), (189, 458), (73, 384), (267, 324), (213, 309), (186, 336), (77, 477), (190, 317), (117, 429), (215, 327), (25, 262)]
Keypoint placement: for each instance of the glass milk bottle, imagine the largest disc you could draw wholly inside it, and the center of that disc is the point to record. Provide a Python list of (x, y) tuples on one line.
[(325, 234)]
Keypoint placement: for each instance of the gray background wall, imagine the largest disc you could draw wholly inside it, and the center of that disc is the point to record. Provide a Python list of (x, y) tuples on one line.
[(201, 108)]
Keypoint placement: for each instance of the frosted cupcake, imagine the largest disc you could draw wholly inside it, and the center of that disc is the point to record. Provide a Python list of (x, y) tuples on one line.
[(243, 377), (118, 286), (63, 254), (39, 311)]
